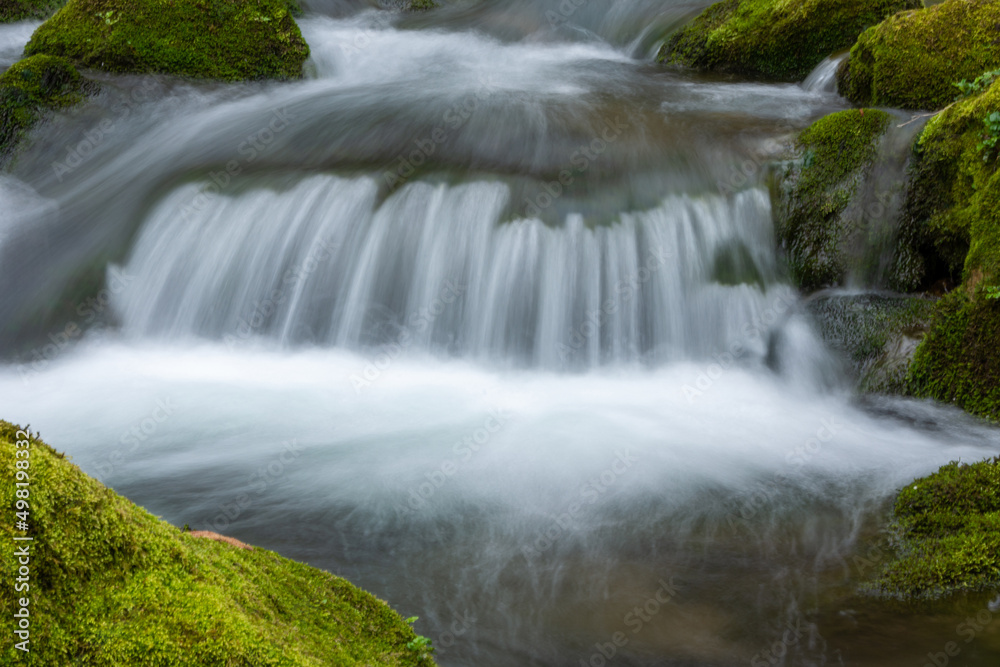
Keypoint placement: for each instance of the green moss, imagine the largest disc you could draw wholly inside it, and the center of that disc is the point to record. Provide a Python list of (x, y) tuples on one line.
[(113, 585), (219, 39), (946, 530), (955, 197), (30, 88), (420, 5), (838, 151), (958, 361), (21, 10), (775, 39), (913, 60)]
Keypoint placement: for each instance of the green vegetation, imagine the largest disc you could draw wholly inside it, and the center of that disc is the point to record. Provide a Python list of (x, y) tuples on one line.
[(978, 85), (912, 60), (229, 40), (838, 152), (775, 39), (989, 143), (30, 88), (959, 359), (955, 197), (420, 5), (22, 10), (113, 585), (946, 533)]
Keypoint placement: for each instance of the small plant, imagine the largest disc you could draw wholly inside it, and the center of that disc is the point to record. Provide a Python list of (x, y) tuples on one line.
[(993, 292), (420, 644), (991, 135), (981, 83)]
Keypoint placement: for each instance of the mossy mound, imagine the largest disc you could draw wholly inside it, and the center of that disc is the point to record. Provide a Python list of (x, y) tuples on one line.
[(775, 39), (112, 585), (229, 40), (30, 88), (22, 10), (913, 60), (946, 530), (955, 196), (837, 154)]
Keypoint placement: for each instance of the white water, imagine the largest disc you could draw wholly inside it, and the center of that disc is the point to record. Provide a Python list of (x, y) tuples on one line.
[(309, 299), (823, 78)]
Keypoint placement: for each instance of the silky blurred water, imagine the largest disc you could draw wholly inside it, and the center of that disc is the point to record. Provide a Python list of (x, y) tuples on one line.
[(484, 315)]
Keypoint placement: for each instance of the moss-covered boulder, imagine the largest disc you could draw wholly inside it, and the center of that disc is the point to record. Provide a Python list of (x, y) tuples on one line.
[(837, 153), (946, 534), (229, 40), (109, 584), (955, 197), (775, 39), (912, 60), (29, 89), (21, 10)]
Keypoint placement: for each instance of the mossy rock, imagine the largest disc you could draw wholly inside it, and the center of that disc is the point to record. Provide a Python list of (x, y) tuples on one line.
[(946, 534), (112, 585), (912, 60), (838, 152), (420, 5), (774, 39), (229, 40), (22, 10), (875, 333), (959, 359), (955, 196), (29, 89)]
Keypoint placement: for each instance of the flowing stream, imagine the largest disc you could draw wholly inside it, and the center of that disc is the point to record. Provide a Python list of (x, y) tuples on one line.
[(484, 315)]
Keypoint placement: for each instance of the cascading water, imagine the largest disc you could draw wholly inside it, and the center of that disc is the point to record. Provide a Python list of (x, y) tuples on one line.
[(485, 316)]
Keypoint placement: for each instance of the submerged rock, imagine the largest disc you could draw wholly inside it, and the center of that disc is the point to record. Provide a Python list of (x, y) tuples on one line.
[(31, 88), (912, 60), (229, 41), (113, 585), (775, 39)]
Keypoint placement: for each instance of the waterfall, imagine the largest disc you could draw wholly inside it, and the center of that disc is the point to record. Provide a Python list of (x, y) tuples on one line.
[(436, 266)]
